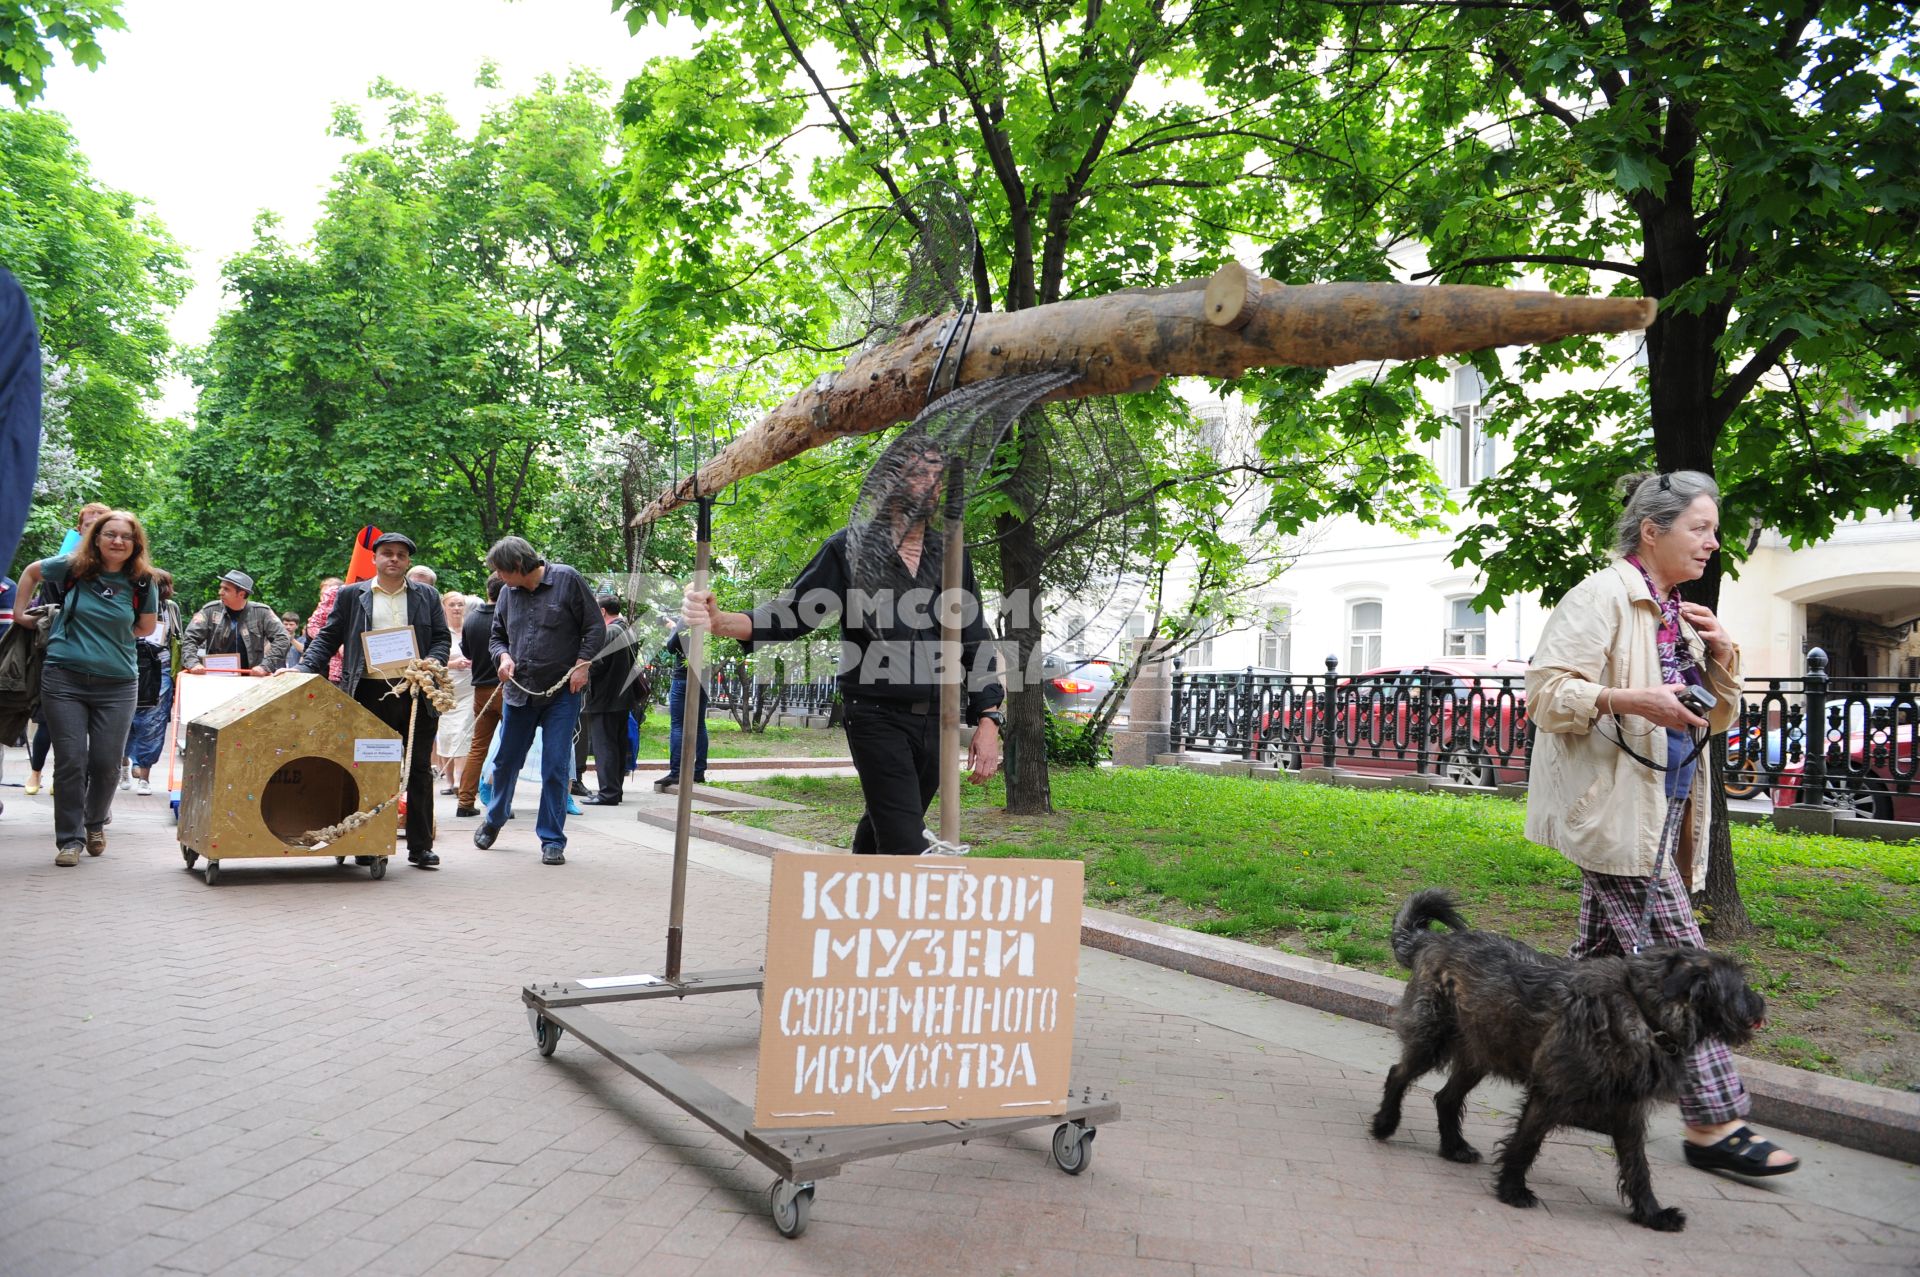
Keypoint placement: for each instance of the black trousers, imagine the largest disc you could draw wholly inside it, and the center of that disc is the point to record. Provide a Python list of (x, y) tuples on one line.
[(897, 753), (609, 738), (392, 710)]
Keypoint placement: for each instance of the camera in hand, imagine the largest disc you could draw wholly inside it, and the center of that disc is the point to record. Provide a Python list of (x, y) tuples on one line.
[(1698, 700)]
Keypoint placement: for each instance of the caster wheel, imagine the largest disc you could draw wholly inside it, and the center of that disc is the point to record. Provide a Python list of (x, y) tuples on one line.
[(546, 1034), (378, 869), (339, 860), (1072, 1147), (792, 1203), (213, 872), (189, 855)]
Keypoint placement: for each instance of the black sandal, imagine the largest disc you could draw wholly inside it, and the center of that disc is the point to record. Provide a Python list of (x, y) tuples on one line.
[(1742, 1152)]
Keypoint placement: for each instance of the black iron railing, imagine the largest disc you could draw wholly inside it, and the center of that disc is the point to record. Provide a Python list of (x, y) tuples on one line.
[(1473, 729), (733, 686)]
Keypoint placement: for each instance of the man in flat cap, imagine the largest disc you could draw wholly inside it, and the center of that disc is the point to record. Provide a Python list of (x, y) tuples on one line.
[(235, 625), (388, 602)]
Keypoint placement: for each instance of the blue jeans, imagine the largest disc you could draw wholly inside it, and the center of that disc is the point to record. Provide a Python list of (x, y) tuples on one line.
[(88, 717), (677, 718), (555, 718), (149, 733)]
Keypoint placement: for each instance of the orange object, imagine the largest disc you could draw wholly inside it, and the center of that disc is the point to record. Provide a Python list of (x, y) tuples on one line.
[(360, 567)]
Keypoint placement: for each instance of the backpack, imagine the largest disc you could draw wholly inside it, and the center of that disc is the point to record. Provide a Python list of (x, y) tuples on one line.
[(23, 654)]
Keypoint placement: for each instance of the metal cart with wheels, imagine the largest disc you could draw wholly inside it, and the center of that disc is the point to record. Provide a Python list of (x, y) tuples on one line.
[(799, 1158)]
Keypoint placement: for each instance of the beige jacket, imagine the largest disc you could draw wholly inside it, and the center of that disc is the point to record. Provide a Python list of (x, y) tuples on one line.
[(1586, 797)]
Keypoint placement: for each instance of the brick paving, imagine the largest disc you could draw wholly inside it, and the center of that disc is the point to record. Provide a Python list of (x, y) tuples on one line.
[(304, 1071)]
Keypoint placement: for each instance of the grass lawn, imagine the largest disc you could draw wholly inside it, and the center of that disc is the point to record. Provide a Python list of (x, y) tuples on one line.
[(1319, 871), (726, 740)]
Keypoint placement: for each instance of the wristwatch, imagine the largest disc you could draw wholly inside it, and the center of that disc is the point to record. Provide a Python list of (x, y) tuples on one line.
[(995, 717)]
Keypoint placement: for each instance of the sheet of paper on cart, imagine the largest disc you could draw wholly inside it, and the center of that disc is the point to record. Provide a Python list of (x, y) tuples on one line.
[(222, 662), (917, 990), (616, 981)]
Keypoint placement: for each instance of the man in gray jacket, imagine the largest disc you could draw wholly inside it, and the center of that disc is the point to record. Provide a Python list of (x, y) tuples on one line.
[(234, 624)]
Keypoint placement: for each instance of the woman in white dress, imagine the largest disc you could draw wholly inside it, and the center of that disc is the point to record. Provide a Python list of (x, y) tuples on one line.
[(450, 745)]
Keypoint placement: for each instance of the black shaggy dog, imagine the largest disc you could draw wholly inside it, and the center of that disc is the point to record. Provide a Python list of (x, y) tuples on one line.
[(1594, 1042)]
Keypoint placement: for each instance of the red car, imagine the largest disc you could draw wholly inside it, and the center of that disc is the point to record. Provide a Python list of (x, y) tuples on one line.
[(1879, 781), (1474, 719)]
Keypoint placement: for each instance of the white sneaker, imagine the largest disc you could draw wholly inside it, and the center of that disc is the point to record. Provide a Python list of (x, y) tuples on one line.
[(126, 777), (144, 788)]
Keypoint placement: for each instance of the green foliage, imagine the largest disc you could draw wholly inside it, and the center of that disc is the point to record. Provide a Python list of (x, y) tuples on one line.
[(437, 360), (1755, 168), (102, 274), (1076, 742), (30, 28)]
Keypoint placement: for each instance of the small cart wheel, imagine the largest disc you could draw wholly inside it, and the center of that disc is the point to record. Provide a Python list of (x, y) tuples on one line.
[(189, 855), (339, 860), (546, 1034), (213, 871), (1073, 1147), (792, 1203), (378, 869)]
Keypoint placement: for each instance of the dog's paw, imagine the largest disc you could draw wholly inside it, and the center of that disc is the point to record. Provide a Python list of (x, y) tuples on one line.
[(1385, 1124), (1669, 1219), (1515, 1194), (1462, 1152)]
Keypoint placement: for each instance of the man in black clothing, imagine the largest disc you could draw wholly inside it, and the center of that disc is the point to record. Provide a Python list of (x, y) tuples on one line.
[(605, 709), (389, 601), (891, 683), (476, 634)]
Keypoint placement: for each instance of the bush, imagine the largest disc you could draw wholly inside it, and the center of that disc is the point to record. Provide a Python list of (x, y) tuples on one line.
[(1074, 742)]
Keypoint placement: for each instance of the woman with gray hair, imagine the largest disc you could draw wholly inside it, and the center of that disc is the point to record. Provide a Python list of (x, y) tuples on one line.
[(1625, 676)]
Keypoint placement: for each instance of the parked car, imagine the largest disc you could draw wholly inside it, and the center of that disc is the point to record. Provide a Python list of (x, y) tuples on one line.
[(1879, 782), (1073, 684), (1475, 721)]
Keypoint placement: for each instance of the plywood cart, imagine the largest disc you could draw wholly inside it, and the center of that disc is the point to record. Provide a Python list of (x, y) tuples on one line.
[(285, 756)]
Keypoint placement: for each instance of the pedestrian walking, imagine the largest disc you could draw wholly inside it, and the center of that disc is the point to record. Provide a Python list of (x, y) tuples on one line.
[(546, 632), (389, 601), (455, 737), (147, 738), (1613, 695), (609, 685), (475, 638), (675, 659), (41, 742), (107, 601)]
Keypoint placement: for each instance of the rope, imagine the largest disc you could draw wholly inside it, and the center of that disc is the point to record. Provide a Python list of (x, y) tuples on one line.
[(937, 846), (421, 677)]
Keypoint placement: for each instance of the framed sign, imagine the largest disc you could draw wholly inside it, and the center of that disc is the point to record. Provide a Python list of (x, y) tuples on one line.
[(903, 989), (221, 662), (388, 651)]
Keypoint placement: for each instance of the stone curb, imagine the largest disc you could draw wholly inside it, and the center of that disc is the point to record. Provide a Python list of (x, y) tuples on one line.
[(1873, 1119)]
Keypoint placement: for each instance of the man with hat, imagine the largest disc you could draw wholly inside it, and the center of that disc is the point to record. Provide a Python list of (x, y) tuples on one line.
[(388, 602), (235, 625)]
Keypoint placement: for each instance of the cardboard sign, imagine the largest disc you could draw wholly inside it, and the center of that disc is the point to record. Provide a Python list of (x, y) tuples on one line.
[(904, 989), (388, 651), (221, 663)]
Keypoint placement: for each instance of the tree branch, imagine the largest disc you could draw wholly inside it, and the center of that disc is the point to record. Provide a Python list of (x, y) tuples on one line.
[(1537, 259), (1740, 384)]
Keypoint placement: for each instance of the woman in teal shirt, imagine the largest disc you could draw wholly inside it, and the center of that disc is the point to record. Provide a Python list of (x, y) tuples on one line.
[(91, 681)]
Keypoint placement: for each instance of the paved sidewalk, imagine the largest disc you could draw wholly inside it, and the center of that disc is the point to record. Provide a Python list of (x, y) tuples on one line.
[(302, 1070)]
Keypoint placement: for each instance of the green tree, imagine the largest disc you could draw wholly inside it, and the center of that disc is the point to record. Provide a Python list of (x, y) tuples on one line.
[(30, 28), (1755, 168), (102, 274), (433, 361), (773, 177)]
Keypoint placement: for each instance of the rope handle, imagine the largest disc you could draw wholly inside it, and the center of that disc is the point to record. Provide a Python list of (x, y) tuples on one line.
[(421, 676)]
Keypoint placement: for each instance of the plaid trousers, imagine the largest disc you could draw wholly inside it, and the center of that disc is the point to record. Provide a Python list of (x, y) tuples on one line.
[(1609, 920)]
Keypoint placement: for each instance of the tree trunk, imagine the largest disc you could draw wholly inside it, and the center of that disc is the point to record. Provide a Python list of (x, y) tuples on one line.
[(1029, 791), (1126, 342)]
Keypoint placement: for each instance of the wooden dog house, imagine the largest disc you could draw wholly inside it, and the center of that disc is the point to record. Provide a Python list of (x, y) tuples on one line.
[(287, 756)]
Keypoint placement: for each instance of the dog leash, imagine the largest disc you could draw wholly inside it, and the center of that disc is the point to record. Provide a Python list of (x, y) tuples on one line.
[(1669, 840)]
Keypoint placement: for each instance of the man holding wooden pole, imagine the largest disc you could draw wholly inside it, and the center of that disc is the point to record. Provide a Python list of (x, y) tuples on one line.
[(892, 658)]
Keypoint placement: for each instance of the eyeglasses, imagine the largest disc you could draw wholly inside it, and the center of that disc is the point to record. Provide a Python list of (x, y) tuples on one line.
[(116, 536)]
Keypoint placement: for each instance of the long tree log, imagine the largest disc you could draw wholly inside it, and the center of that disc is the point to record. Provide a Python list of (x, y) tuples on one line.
[(1127, 342)]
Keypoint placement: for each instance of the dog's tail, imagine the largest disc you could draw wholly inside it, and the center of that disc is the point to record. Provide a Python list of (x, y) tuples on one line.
[(1423, 908)]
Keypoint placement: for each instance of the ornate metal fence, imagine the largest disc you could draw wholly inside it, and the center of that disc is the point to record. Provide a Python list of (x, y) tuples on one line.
[(1473, 729), (731, 685)]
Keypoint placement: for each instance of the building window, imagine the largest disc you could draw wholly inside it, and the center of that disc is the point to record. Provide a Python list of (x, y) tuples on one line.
[(1137, 625), (1276, 640), (1466, 452), (1466, 628), (1363, 635)]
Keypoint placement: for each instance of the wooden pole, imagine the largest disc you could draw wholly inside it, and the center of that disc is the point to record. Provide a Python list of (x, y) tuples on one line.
[(694, 648), (1126, 342), (953, 550)]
